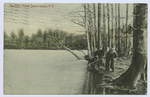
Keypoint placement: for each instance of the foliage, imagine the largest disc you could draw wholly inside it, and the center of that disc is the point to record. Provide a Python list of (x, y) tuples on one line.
[(44, 40), (20, 38), (13, 37)]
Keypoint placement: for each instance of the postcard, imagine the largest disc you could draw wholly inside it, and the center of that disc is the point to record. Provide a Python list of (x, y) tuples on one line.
[(75, 48)]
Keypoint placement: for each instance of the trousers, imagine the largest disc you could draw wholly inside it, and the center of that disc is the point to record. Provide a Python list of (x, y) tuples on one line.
[(109, 64)]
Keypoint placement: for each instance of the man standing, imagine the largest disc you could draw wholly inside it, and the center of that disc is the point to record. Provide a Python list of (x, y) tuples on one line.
[(110, 55)]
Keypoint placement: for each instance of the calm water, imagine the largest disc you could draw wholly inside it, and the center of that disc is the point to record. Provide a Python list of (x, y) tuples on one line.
[(43, 72)]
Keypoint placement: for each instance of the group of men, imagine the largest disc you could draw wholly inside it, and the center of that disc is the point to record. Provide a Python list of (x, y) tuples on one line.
[(109, 57)]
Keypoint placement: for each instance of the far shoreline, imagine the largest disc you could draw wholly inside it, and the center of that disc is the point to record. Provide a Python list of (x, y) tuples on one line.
[(42, 49)]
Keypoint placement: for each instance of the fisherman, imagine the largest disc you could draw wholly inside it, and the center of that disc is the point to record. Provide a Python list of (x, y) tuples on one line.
[(100, 54), (110, 55)]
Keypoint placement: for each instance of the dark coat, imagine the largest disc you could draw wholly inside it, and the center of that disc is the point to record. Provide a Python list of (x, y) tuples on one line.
[(111, 56), (99, 53)]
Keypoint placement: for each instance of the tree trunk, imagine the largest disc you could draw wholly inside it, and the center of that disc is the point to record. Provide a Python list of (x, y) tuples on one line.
[(126, 25), (95, 37), (130, 78), (116, 30), (112, 9), (86, 30), (67, 48), (126, 49), (90, 28), (90, 39), (104, 28), (99, 25), (119, 29), (109, 38)]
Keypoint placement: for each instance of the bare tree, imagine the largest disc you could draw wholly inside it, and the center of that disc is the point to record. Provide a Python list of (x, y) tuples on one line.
[(116, 30), (109, 39), (119, 28), (126, 24), (99, 25), (112, 14), (86, 29), (95, 37)]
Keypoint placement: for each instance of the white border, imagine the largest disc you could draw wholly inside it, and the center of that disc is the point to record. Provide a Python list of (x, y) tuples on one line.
[(64, 1)]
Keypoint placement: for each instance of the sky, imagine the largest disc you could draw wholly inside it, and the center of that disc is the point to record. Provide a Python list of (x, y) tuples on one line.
[(33, 16)]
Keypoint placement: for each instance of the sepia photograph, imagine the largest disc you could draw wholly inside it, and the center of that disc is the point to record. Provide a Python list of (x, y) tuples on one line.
[(75, 48)]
